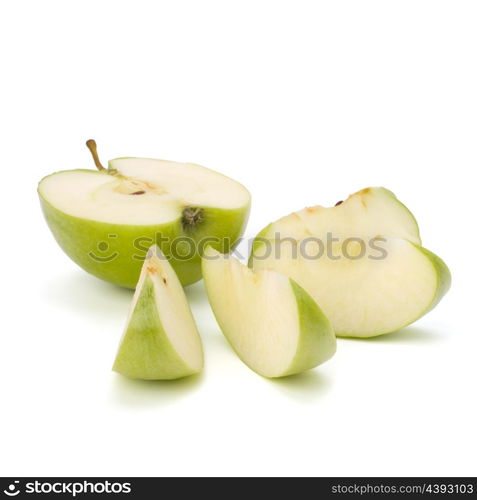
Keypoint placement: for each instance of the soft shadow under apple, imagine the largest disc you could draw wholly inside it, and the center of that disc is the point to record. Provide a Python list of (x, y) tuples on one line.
[(87, 295), (131, 393), (408, 335), (196, 294), (304, 387)]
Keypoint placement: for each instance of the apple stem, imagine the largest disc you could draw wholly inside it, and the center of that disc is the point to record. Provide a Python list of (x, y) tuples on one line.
[(91, 145)]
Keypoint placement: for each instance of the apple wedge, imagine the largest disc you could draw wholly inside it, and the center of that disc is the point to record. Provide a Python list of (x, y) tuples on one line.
[(371, 211), (106, 219), (273, 325), (360, 260), (161, 340)]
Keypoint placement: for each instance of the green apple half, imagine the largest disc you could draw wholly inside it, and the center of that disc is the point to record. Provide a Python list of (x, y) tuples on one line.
[(161, 340), (372, 278), (274, 326), (105, 220)]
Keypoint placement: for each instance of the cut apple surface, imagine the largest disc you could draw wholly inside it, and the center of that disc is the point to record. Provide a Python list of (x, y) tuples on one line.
[(105, 220), (274, 326), (364, 297), (370, 212), (360, 260), (160, 340)]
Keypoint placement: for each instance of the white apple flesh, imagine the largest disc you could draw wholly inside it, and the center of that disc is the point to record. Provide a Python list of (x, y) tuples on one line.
[(370, 212), (160, 341), (365, 297), (374, 278), (274, 326), (105, 220)]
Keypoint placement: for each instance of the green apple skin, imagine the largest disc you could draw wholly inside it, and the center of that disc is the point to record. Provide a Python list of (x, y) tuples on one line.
[(126, 245), (444, 278), (146, 352), (317, 339)]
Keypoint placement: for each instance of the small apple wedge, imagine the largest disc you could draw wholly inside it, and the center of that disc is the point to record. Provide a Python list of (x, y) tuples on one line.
[(273, 325), (161, 340)]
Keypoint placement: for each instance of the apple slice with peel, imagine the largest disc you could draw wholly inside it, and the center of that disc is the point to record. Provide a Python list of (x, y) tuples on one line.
[(106, 219), (369, 212), (274, 326), (160, 340), (367, 284)]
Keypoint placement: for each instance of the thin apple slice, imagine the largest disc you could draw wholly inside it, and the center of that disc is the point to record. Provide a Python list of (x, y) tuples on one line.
[(366, 213), (363, 292), (160, 340), (274, 326)]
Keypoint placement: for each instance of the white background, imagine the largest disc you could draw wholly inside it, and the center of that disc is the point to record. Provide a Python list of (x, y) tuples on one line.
[(304, 103)]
